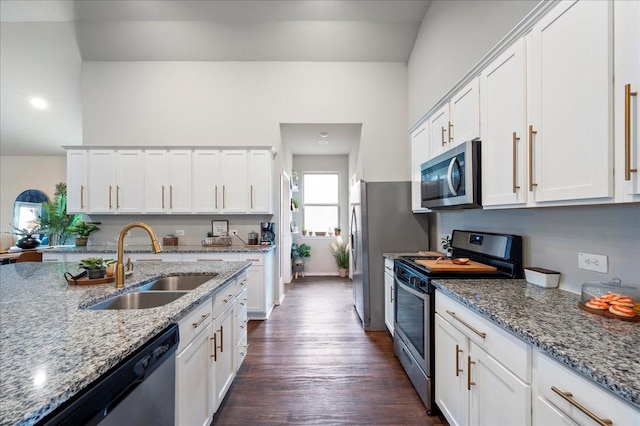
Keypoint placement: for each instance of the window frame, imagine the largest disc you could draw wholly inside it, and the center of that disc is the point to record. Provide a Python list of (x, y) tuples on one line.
[(305, 204)]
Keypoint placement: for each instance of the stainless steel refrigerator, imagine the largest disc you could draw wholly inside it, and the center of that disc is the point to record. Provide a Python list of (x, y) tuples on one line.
[(381, 222)]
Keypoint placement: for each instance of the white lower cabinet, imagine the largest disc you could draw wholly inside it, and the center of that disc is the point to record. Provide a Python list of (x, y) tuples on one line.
[(482, 374), (223, 348), (389, 295), (562, 397)]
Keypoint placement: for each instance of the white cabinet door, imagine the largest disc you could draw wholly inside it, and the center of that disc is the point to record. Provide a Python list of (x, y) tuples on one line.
[(206, 181), (547, 414), (626, 95), (255, 290), (76, 181), (235, 191), (223, 349), (180, 178), (389, 295), (260, 181), (464, 112), (102, 177), (497, 397), (503, 129), (569, 83), (155, 181), (129, 181), (451, 372), (439, 131), (419, 154), (194, 382)]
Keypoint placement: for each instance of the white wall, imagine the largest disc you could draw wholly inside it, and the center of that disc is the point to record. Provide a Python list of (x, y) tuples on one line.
[(453, 37), (243, 103), (19, 173)]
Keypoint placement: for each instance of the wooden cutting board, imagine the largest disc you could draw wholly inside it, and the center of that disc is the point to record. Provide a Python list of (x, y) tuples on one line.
[(447, 266), (430, 253)]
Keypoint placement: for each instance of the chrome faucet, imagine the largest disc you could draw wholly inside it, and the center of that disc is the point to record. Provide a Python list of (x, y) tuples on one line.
[(120, 266)]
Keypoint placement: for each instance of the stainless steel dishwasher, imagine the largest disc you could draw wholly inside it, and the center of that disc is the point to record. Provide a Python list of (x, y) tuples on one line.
[(140, 390)]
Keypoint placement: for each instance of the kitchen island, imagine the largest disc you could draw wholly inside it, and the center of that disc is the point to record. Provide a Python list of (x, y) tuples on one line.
[(52, 347), (603, 350)]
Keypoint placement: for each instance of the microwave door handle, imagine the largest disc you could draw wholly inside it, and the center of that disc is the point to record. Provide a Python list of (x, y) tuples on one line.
[(452, 164)]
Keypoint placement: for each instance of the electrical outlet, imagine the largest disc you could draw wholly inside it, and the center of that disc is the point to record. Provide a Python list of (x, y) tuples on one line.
[(593, 262), (179, 233), (233, 231)]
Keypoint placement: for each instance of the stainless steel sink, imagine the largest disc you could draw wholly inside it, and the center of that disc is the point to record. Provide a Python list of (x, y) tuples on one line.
[(177, 283), (139, 300)]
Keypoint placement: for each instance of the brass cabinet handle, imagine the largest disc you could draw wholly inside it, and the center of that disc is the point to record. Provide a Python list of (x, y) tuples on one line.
[(82, 196), (391, 293), (251, 196), (252, 260), (450, 132), (627, 131), (149, 260), (215, 346), (469, 382), (515, 162), (243, 282), (171, 196), (221, 339), (531, 133), (201, 320), (216, 196), (442, 136), (109, 197), (458, 370), (163, 197), (224, 198), (479, 333), (117, 197), (568, 396)]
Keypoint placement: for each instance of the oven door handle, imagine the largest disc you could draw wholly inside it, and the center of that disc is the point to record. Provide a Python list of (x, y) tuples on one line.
[(411, 290)]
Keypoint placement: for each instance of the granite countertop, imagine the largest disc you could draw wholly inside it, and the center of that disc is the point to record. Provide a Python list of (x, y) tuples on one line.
[(604, 350), (422, 253), (52, 347), (165, 249)]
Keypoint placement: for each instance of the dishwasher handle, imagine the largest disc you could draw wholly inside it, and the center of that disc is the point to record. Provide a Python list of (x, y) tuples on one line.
[(111, 405)]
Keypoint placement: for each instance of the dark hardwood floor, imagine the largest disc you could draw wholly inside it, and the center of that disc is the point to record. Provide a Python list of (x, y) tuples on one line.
[(312, 363)]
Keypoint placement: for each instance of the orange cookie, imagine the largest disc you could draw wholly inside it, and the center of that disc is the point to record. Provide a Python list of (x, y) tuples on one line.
[(609, 297), (622, 311), (595, 304), (623, 301)]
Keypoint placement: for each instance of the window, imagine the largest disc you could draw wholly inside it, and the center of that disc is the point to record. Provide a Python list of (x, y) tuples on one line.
[(320, 201)]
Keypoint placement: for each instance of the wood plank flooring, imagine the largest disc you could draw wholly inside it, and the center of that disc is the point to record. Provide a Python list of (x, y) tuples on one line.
[(312, 363)]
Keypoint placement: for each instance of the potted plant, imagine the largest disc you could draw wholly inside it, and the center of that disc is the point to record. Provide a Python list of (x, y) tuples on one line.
[(82, 230), (96, 266), (336, 231), (445, 243), (304, 231), (55, 217), (340, 251), (29, 236), (298, 254), (295, 204)]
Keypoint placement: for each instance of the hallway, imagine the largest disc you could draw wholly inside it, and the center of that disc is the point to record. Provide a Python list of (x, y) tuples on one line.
[(312, 363)]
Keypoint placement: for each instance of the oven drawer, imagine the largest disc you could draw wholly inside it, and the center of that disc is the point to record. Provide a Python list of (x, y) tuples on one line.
[(510, 351)]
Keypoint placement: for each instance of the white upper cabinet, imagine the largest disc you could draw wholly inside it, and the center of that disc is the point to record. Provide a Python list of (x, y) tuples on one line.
[(115, 181), (419, 154), (569, 102), (502, 86), (206, 181), (439, 131), (77, 181), (180, 177), (260, 181), (627, 113), (129, 181), (235, 191), (155, 181), (102, 176)]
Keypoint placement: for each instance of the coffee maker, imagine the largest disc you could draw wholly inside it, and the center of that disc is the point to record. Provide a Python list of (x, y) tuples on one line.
[(267, 234)]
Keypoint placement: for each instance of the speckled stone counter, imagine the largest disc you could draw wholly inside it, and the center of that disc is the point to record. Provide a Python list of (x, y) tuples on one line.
[(606, 351), (51, 347), (165, 249)]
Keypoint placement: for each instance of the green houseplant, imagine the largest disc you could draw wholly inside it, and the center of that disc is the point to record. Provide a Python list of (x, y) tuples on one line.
[(55, 217), (82, 230), (337, 231), (340, 251), (96, 266), (445, 243), (298, 254)]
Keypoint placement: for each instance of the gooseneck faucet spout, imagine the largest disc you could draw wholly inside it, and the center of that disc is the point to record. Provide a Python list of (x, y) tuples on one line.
[(120, 266)]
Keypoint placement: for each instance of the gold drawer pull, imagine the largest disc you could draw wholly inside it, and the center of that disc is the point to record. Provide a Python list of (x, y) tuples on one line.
[(450, 132), (568, 396), (469, 364), (204, 317), (515, 162), (442, 136), (627, 131), (531, 133), (458, 351), (215, 346), (479, 333)]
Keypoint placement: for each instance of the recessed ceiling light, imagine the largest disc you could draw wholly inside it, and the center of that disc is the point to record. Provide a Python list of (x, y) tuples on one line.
[(38, 103), (323, 142), (324, 134)]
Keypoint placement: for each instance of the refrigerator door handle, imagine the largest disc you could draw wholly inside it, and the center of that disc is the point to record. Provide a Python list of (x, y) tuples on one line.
[(354, 229)]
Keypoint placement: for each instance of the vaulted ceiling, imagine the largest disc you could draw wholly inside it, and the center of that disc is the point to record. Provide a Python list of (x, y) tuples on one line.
[(43, 44)]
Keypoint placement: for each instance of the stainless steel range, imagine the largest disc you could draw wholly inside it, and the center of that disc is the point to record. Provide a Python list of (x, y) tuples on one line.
[(490, 256)]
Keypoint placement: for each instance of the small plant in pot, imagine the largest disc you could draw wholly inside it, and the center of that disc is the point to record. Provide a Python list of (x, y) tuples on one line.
[(445, 243), (336, 231), (96, 266), (82, 230), (340, 251)]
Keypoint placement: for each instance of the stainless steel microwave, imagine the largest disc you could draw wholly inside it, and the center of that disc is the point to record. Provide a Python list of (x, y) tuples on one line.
[(451, 180)]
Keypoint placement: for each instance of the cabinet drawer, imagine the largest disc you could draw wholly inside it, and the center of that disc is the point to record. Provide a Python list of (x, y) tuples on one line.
[(223, 299), (512, 352), (257, 259), (209, 257), (196, 321), (550, 374), (242, 299), (241, 350)]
